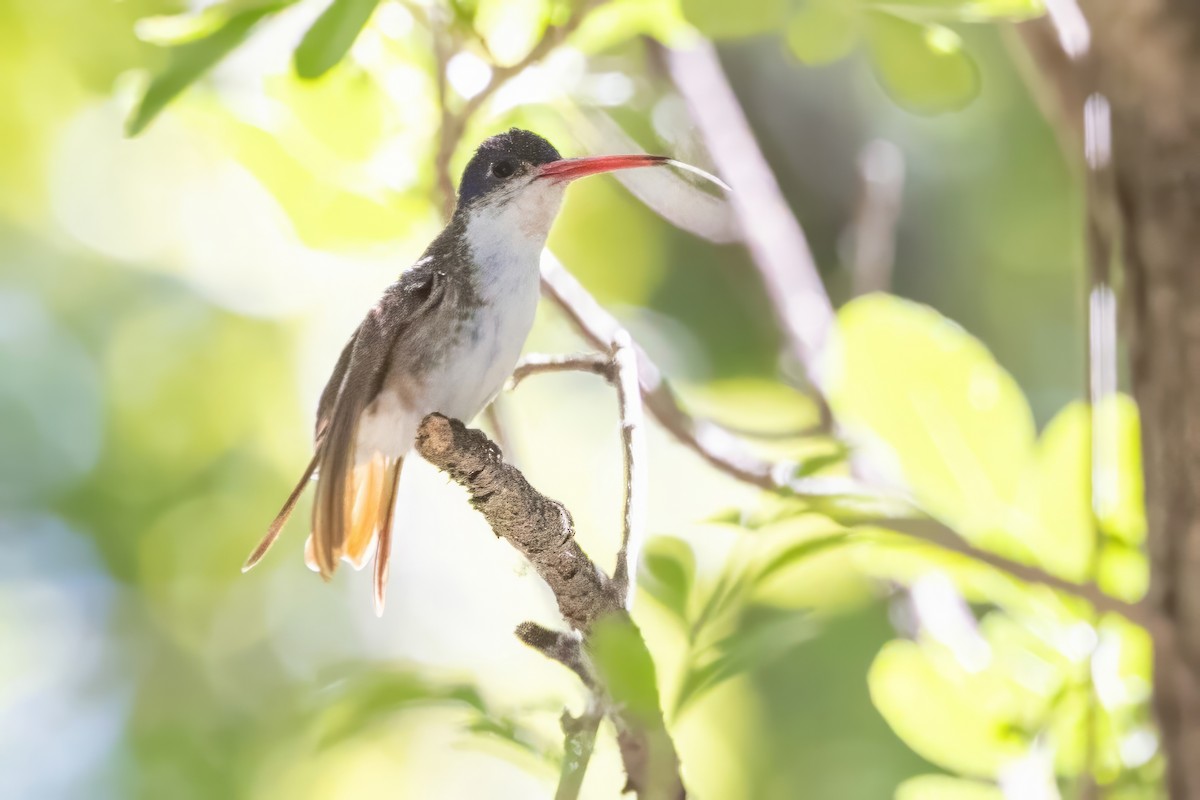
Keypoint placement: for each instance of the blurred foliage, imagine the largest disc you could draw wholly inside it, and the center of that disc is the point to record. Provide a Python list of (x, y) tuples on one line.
[(169, 306)]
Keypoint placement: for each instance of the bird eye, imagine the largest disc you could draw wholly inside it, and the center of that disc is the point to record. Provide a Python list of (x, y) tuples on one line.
[(503, 169)]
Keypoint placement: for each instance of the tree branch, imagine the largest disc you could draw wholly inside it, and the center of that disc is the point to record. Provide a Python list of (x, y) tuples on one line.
[(769, 229), (931, 531), (873, 242), (633, 441), (454, 123), (558, 646), (543, 532), (710, 441), (579, 740), (537, 364), (619, 368)]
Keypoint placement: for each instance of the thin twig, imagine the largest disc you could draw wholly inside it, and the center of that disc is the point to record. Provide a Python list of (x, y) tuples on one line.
[(448, 131), (633, 441), (873, 242), (933, 532), (538, 363), (552, 38), (579, 740), (558, 646), (728, 454), (454, 123), (769, 229), (710, 441), (620, 369)]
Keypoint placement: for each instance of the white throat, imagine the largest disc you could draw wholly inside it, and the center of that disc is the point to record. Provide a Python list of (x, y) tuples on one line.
[(506, 236)]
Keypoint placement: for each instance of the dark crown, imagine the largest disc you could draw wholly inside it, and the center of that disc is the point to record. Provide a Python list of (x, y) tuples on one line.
[(514, 145)]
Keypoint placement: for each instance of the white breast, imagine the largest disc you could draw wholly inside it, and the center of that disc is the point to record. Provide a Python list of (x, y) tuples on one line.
[(506, 242)]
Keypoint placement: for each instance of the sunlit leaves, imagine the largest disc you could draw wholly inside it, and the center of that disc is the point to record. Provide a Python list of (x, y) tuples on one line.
[(1056, 496), (950, 11), (925, 68), (721, 19), (510, 28), (931, 400), (323, 210), (346, 113), (960, 722), (822, 31), (624, 666), (330, 37), (617, 21), (921, 62), (728, 632), (668, 569), (368, 699), (764, 634), (189, 61), (798, 552)]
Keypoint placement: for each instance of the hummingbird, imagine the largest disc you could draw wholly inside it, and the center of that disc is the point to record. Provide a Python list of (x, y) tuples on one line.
[(444, 337)]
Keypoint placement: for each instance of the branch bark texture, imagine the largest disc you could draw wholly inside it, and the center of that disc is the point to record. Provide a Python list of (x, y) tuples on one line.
[(541, 529)]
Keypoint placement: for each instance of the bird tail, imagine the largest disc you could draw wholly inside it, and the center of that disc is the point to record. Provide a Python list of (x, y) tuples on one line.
[(372, 489), (282, 517)]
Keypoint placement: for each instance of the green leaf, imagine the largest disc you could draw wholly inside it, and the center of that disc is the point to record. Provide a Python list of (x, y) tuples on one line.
[(1055, 500), (509, 731), (189, 61), (1056, 519), (347, 114), (667, 571), (721, 19), (961, 10), (924, 67), (1122, 510), (764, 635), (945, 787), (330, 37), (1123, 571), (511, 28), (364, 701), (958, 720), (798, 553), (823, 31), (926, 397), (624, 666), (613, 23)]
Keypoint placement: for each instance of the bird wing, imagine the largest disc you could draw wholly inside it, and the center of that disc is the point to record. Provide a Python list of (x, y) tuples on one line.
[(356, 380), (414, 296), (332, 388)]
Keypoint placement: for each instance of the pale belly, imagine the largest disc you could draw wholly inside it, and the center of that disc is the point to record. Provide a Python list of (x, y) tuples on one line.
[(469, 376)]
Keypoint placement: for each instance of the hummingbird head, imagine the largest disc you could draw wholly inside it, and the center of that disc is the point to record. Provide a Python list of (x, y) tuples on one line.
[(513, 185)]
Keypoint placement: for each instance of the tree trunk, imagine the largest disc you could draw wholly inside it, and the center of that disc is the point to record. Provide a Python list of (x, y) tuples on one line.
[(1143, 56)]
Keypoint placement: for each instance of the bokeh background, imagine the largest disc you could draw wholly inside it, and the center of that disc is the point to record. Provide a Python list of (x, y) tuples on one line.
[(170, 305)]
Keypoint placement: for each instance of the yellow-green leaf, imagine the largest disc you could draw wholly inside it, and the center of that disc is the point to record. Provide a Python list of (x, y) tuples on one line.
[(668, 569), (961, 10), (721, 19), (923, 67), (330, 37), (823, 31), (926, 397), (958, 720), (189, 61)]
